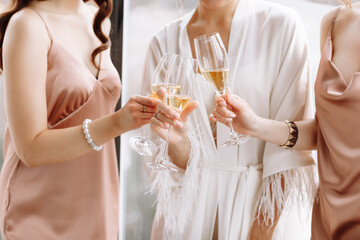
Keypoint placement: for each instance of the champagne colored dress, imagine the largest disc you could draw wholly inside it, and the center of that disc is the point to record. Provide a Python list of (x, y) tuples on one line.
[(76, 199), (337, 213)]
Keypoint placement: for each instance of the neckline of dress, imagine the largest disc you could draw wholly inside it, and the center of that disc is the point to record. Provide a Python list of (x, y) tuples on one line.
[(97, 78), (330, 59)]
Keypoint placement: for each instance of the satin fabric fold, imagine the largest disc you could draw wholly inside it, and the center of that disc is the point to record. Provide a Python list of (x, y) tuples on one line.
[(336, 214), (76, 199)]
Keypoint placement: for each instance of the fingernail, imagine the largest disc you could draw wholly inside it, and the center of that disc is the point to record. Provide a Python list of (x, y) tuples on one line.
[(232, 115), (222, 104), (176, 115), (179, 124), (211, 116)]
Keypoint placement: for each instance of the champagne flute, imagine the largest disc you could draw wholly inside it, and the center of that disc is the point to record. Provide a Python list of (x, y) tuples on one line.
[(141, 144), (182, 72), (214, 66)]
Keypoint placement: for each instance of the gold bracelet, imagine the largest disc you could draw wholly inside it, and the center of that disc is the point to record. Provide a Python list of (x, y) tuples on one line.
[(293, 135)]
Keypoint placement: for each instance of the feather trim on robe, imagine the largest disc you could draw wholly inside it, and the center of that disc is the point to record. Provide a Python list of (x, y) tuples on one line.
[(177, 192), (299, 192)]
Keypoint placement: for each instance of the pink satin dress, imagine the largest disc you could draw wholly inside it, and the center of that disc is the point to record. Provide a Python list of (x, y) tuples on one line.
[(336, 215), (76, 199)]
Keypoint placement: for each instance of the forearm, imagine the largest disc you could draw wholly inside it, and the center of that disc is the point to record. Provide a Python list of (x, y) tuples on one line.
[(277, 132), (180, 152), (60, 145)]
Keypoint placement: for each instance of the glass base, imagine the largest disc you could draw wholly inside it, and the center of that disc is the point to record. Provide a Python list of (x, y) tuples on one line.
[(235, 141), (143, 146), (161, 166)]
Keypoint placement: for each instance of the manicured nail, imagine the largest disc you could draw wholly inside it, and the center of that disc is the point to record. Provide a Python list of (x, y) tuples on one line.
[(179, 124), (176, 115), (222, 104), (232, 115), (213, 119)]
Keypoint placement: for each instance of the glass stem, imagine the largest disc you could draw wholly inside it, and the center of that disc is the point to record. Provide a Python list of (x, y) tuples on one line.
[(233, 134)]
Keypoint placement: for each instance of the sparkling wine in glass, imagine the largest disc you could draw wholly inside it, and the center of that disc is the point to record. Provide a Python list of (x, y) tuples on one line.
[(214, 66), (172, 89), (141, 144), (182, 72)]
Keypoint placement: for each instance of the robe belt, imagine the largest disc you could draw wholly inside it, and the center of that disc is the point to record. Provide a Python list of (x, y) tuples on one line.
[(230, 168)]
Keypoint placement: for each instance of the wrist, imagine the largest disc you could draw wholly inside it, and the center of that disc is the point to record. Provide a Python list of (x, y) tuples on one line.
[(257, 128), (117, 122), (179, 152)]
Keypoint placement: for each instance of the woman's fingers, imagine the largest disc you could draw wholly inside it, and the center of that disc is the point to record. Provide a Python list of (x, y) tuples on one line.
[(220, 101), (189, 109), (212, 118), (162, 107), (146, 101), (155, 122), (215, 116), (223, 111), (161, 92), (146, 109), (234, 101), (166, 119), (223, 108), (146, 115)]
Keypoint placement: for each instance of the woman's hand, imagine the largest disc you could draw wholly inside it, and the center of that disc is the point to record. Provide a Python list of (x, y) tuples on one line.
[(167, 116), (137, 112), (235, 110)]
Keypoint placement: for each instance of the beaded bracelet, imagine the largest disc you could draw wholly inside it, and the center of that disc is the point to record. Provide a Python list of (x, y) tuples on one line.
[(293, 135), (88, 137)]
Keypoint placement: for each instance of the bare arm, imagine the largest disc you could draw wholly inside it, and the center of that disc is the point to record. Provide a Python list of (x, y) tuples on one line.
[(26, 46), (278, 132), (245, 121), (179, 143)]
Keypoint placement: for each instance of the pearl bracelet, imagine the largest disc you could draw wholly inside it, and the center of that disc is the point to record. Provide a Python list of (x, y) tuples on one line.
[(88, 137)]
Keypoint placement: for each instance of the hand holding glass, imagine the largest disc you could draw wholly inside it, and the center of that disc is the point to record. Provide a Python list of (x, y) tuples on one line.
[(140, 144), (181, 73), (214, 66)]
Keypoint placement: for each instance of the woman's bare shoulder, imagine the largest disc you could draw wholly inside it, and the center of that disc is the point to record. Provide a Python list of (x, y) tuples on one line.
[(327, 20), (326, 25), (26, 25), (24, 19)]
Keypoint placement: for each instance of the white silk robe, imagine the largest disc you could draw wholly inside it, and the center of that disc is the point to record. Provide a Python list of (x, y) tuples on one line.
[(222, 190)]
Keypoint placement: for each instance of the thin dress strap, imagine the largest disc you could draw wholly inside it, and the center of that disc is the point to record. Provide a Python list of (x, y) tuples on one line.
[(333, 21), (43, 20)]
